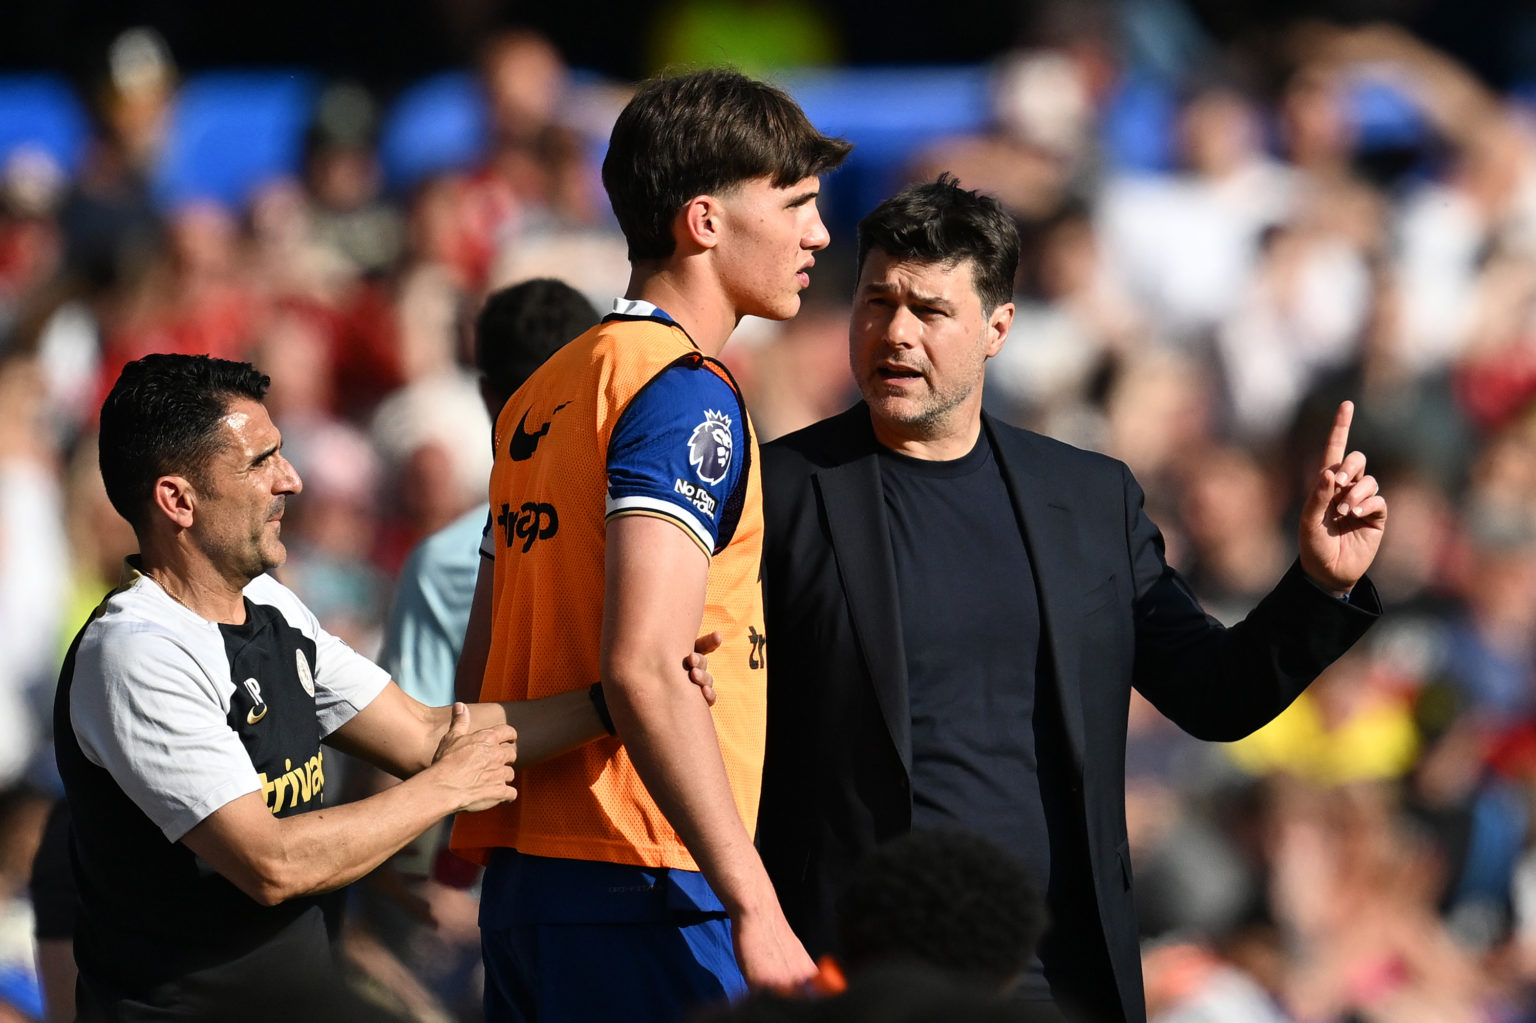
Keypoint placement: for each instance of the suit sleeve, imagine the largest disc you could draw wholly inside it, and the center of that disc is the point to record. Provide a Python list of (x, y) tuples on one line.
[(1221, 684)]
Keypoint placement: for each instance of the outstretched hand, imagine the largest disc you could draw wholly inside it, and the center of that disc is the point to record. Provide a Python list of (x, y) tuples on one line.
[(1344, 515), (697, 664), (477, 765)]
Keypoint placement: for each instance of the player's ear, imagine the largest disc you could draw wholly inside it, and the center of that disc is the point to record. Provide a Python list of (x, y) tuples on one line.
[(700, 222), (998, 325), (175, 498)]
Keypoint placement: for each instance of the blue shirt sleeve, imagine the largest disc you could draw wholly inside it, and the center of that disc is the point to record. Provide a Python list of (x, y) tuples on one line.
[(677, 452)]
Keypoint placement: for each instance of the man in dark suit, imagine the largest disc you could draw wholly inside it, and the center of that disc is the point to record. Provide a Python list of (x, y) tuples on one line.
[(959, 610)]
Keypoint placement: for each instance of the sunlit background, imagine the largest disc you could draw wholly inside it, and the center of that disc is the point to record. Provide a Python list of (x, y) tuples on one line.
[(1234, 216)]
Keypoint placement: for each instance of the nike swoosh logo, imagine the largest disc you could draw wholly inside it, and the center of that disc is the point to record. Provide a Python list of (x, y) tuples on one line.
[(251, 717), (524, 444)]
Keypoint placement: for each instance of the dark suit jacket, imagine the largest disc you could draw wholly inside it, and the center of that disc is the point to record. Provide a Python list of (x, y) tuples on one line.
[(1113, 615)]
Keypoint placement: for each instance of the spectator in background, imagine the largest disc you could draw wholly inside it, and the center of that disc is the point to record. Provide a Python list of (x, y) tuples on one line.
[(516, 330), (344, 182), (193, 297), (405, 903), (535, 203), (109, 218), (1228, 191), (34, 567)]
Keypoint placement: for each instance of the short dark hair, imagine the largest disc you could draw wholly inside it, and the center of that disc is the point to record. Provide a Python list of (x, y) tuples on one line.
[(521, 326), (704, 132), (161, 417), (940, 222), (952, 900)]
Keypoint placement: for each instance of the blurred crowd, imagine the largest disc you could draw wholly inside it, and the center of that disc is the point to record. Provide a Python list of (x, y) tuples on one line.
[(1215, 255)]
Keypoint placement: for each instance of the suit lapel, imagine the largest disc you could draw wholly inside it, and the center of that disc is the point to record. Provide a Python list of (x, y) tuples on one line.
[(1052, 542), (855, 509)]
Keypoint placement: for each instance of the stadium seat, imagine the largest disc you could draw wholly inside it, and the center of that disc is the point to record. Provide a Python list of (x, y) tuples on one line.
[(43, 112), (232, 132), (438, 124)]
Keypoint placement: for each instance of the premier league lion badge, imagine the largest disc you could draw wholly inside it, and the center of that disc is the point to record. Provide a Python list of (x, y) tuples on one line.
[(709, 449)]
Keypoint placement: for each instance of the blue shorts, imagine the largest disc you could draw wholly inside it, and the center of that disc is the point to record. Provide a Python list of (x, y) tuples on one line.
[(580, 940)]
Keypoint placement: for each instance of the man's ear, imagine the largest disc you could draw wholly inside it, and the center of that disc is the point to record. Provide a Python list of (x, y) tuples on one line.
[(175, 498), (700, 222), (997, 328)]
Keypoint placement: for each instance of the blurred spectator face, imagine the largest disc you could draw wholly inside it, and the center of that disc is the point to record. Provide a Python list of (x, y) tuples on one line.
[(279, 214), (341, 169), (427, 310), (295, 351), (1313, 120), (204, 240), (344, 178), (23, 420), (31, 246), (429, 488), (1226, 493), (99, 537), (1501, 583), (1042, 100), (137, 99), (524, 78), (337, 511), (799, 375), (1503, 476), (440, 225), (1159, 407), (1495, 164), (1218, 133), (1413, 552), (1069, 259)]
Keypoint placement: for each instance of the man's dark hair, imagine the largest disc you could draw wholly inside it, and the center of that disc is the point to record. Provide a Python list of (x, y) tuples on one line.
[(698, 133), (952, 900), (941, 222), (162, 417), (521, 326)]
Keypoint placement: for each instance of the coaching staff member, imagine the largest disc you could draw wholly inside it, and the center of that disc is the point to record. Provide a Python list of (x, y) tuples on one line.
[(190, 718), (958, 611)]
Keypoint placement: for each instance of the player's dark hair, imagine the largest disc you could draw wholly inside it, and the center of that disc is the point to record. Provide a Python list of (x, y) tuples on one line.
[(940, 222), (700, 133), (952, 900), (521, 326), (161, 418)]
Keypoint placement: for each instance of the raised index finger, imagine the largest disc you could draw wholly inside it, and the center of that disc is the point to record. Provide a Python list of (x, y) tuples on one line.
[(1338, 437)]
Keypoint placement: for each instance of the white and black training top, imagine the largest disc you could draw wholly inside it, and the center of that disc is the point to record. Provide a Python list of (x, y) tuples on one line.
[(161, 718)]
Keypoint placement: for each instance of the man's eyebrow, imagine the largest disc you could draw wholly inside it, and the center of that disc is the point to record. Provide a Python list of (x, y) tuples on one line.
[(803, 197), (886, 288), (268, 453)]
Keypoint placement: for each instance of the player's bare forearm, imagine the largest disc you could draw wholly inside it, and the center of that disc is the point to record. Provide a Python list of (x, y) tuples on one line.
[(273, 860), (670, 737), (546, 727), (656, 578)]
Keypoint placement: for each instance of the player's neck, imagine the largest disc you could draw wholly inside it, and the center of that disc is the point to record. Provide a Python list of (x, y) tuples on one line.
[(694, 300), (192, 583)]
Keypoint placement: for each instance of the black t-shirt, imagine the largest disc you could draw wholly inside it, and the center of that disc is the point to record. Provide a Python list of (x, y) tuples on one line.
[(970, 627)]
